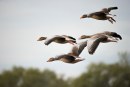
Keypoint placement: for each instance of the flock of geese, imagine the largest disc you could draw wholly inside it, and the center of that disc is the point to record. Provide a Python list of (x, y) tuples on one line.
[(91, 41)]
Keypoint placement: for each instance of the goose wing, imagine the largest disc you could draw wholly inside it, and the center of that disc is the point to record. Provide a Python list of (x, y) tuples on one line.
[(78, 48), (82, 45), (74, 50), (94, 42), (112, 8)]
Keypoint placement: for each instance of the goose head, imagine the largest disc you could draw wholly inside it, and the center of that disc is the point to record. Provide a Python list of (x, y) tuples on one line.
[(41, 38), (84, 16), (51, 59)]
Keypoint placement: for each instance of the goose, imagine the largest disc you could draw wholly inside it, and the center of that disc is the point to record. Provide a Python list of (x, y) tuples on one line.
[(62, 39), (99, 16), (104, 37), (73, 56)]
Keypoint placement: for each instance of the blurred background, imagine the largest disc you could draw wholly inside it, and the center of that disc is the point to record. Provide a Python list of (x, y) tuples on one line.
[(23, 58)]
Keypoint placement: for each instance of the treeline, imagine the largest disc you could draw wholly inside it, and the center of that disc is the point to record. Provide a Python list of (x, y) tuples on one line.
[(96, 75)]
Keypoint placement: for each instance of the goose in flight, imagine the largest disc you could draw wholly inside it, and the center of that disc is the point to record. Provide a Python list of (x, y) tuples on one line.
[(73, 56), (104, 37), (101, 15), (62, 39)]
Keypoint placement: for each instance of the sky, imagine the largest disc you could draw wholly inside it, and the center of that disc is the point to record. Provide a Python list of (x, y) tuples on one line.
[(22, 22)]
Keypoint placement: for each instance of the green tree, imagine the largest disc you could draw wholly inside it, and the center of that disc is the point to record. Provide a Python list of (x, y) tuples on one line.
[(11, 78), (105, 75), (96, 75), (124, 58), (19, 77)]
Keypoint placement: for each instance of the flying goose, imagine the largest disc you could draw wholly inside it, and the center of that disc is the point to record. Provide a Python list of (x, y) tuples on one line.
[(73, 56), (98, 16), (101, 15), (104, 37), (62, 39)]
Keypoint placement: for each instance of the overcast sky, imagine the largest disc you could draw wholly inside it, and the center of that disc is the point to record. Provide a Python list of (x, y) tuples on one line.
[(22, 22)]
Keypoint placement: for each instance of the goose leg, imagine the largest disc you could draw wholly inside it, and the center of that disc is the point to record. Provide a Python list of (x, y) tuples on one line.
[(110, 21)]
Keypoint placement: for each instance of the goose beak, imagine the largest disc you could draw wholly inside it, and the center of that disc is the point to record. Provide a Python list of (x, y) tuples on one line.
[(84, 16), (49, 61), (81, 17)]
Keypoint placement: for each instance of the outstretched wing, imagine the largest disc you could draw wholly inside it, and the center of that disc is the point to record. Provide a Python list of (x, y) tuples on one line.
[(82, 45), (94, 42), (74, 50), (78, 48), (112, 8)]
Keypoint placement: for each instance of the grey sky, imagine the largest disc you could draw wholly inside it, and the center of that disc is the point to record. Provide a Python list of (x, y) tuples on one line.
[(22, 22)]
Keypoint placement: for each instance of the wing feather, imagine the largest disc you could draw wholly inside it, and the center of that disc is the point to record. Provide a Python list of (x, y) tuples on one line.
[(112, 8), (82, 45)]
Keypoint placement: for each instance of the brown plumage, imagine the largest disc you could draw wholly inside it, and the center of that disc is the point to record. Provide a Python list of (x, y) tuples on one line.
[(101, 15)]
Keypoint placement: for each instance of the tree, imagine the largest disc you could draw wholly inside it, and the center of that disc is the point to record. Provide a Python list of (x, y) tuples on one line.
[(124, 58), (96, 75), (105, 75), (11, 78), (19, 77)]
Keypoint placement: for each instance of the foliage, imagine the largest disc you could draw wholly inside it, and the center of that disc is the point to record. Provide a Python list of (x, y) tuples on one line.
[(19, 77), (96, 75), (103, 75)]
